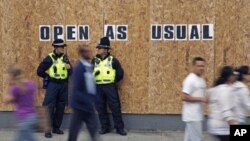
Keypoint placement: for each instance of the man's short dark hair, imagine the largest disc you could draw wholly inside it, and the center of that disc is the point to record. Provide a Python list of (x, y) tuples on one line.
[(198, 59)]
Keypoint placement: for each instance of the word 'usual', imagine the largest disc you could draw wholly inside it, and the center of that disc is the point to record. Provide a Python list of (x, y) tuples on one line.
[(182, 32)]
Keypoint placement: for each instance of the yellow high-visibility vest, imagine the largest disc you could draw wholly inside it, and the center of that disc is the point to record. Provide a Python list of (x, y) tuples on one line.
[(58, 69), (106, 72)]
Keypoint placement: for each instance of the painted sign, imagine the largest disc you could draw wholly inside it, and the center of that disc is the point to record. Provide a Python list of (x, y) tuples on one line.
[(158, 32), (182, 32)]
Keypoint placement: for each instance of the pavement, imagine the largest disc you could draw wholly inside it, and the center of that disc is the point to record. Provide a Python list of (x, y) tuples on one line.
[(10, 135)]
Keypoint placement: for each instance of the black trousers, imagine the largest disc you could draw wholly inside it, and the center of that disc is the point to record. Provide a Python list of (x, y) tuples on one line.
[(222, 137), (78, 117), (55, 100), (108, 96)]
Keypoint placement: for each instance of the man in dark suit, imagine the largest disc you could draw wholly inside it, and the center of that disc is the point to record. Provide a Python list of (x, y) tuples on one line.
[(83, 96)]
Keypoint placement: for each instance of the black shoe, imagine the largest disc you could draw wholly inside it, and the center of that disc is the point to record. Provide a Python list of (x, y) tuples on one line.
[(121, 132), (58, 131), (48, 135), (104, 131)]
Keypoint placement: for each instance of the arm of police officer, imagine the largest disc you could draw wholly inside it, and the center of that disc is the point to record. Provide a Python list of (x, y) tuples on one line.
[(119, 70), (69, 68), (44, 66), (68, 64), (93, 61)]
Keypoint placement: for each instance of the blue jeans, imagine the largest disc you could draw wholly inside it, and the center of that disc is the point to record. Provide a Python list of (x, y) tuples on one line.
[(26, 128)]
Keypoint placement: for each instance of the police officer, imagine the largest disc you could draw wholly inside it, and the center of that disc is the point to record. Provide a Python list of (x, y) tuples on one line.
[(56, 68), (108, 72)]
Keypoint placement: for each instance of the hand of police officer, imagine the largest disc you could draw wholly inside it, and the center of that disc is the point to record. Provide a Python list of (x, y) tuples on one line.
[(67, 66), (67, 108)]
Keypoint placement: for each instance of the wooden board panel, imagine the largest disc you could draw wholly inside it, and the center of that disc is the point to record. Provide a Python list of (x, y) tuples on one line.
[(132, 54), (154, 70), (49, 13), (20, 40), (1, 56), (87, 12), (232, 33), (170, 61), (244, 32), (7, 45)]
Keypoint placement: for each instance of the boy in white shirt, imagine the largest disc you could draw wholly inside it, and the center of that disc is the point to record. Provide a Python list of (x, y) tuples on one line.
[(193, 98)]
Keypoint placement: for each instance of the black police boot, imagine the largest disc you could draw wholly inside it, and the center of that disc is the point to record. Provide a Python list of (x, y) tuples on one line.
[(58, 131), (104, 131), (121, 132), (48, 135)]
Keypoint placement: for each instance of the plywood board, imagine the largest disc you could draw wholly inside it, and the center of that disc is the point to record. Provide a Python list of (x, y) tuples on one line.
[(7, 45), (170, 61), (154, 70), (132, 54)]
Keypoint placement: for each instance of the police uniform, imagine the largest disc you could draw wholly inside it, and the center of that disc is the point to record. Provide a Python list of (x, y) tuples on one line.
[(54, 68), (108, 72)]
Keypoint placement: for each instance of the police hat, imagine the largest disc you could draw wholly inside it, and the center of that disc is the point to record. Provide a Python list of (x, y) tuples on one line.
[(104, 43), (58, 43)]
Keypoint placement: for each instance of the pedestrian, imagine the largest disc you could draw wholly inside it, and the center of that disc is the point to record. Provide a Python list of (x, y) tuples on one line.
[(56, 69), (108, 72), (83, 96), (193, 100), (22, 95), (222, 105), (242, 94)]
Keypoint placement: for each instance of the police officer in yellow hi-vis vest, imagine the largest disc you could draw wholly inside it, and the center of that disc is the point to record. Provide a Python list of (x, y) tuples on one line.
[(55, 69), (108, 72)]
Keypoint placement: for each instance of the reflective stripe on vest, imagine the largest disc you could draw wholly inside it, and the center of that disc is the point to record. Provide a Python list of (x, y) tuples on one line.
[(107, 73), (58, 69)]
